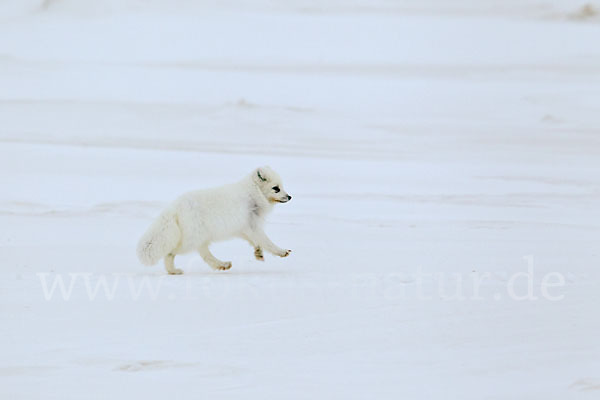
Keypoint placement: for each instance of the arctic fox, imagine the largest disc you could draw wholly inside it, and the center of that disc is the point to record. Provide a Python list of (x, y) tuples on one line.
[(200, 217)]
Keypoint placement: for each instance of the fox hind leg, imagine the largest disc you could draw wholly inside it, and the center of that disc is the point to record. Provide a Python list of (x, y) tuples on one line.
[(211, 260), (170, 265)]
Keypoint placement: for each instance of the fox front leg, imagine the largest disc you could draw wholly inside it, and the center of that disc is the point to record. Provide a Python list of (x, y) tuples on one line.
[(258, 252), (262, 241)]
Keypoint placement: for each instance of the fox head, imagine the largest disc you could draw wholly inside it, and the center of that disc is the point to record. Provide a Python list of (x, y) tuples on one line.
[(270, 185)]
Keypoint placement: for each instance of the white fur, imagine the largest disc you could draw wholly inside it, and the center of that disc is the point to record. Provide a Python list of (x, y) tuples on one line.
[(201, 217)]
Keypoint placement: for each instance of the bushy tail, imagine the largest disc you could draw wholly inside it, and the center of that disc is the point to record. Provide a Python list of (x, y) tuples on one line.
[(160, 239)]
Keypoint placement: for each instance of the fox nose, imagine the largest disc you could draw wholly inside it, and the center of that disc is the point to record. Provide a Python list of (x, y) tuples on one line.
[(289, 197)]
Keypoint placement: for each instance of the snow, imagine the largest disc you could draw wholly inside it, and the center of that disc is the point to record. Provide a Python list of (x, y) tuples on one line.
[(428, 146)]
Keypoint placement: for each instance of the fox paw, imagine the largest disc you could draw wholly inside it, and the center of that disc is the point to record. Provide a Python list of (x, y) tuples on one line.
[(175, 271), (258, 254), (285, 253), (224, 266)]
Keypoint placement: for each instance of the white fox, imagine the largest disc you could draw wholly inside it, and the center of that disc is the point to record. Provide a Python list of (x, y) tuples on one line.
[(201, 217)]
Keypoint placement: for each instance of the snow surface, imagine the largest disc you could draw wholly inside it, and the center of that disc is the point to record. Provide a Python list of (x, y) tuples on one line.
[(425, 143)]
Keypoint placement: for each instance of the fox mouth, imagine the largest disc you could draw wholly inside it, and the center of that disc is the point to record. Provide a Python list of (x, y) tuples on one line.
[(279, 200)]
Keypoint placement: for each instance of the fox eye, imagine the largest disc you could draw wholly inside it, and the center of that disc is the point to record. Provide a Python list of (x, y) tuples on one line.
[(275, 189)]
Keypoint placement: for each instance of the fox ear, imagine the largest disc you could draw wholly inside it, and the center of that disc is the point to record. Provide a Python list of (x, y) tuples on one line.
[(261, 175)]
